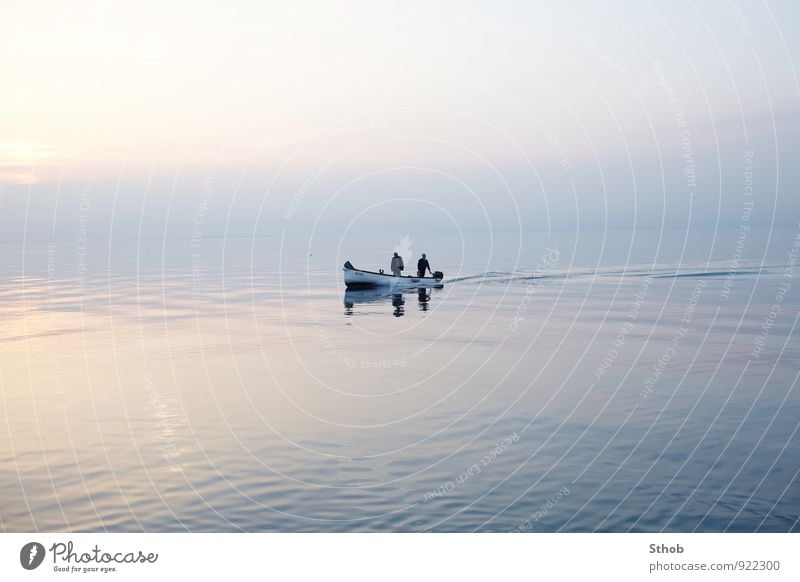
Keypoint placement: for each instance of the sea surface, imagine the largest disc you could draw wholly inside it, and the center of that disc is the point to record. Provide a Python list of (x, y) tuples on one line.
[(601, 381)]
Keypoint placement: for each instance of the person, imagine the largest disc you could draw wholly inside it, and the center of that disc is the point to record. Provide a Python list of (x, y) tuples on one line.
[(422, 266), (397, 265)]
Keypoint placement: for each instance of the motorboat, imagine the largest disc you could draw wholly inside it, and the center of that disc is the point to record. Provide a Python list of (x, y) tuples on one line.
[(358, 278)]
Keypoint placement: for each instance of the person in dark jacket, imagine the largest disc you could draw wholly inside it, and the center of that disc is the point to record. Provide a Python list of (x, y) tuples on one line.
[(422, 266)]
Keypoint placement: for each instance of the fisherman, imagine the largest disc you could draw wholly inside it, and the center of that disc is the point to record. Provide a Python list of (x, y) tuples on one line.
[(397, 265), (422, 266)]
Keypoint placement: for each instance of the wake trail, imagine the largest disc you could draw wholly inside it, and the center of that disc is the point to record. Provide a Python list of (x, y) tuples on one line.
[(666, 272)]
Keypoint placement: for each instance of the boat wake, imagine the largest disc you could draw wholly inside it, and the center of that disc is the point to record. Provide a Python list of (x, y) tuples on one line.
[(662, 272)]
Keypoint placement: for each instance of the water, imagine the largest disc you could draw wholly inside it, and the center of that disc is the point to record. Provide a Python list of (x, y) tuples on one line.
[(600, 382)]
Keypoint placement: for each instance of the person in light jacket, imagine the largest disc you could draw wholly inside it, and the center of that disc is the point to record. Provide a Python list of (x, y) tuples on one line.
[(397, 265)]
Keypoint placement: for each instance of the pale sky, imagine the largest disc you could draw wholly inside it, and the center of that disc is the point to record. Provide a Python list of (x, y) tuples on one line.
[(284, 115)]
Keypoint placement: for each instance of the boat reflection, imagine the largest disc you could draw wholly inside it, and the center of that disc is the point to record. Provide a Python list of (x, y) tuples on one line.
[(362, 299), (424, 297)]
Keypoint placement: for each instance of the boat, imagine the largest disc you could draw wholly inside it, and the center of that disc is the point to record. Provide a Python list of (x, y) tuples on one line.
[(360, 279)]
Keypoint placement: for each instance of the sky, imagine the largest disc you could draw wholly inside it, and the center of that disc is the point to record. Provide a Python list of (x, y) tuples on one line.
[(154, 119)]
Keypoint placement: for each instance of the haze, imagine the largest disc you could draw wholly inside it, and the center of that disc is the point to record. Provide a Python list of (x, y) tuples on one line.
[(142, 119)]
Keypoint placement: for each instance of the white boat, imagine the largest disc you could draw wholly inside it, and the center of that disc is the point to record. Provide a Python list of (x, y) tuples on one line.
[(356, 278)]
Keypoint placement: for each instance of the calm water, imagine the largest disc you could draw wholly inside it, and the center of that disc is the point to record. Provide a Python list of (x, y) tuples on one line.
[(605, 382)]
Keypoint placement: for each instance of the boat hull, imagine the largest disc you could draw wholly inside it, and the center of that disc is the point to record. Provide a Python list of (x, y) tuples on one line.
[(358, 279)]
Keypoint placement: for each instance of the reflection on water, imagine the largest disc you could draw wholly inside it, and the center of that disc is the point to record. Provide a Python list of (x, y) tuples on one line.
[(423, 296), (398, 302), (377, 296)]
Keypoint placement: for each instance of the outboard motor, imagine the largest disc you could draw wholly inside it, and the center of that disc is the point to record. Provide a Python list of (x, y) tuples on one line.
[(438, 275)]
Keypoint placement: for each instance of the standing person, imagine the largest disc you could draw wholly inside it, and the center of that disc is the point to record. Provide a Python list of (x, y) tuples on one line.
[(397, 265), (422, 266)]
